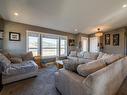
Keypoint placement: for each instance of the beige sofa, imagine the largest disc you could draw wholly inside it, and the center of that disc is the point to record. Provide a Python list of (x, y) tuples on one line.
[(105, 81), (83, 57), (17, 68)]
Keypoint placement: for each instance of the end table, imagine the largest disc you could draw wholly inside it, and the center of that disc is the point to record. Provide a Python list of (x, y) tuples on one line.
[(38, 61)]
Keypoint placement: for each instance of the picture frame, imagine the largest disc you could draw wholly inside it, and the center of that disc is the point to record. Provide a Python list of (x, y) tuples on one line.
[(107, 39), (13, 36), (116, 39), (71, 42)]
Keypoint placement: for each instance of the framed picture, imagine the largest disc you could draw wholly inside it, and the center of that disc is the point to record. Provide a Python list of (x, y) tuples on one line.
[(107, 39), (1, 34), (71, 42), (115, 39), (13, 36)]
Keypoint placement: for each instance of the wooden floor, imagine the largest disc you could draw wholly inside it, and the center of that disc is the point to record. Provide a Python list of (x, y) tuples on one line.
[(44, 84)]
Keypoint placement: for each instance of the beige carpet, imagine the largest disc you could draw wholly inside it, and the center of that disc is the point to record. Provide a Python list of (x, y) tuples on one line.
[(44, 84)]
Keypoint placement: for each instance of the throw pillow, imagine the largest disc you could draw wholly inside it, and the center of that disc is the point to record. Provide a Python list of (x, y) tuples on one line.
[(111, 59), (73, 54), (4, 61), (100, 55), (91, 67), (80, 54), (90, 55), (70, 65), (106, 55), (27, 56), (16, 60)]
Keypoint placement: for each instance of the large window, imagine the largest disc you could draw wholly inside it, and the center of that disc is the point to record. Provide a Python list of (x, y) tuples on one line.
[(46, 45), (63, 46), (33, 43), (49, 46)]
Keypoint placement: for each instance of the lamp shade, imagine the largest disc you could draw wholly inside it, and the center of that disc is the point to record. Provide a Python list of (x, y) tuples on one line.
[(99, 33)]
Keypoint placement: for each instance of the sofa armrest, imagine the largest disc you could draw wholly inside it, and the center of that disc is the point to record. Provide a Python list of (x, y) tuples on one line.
[(108, 80)]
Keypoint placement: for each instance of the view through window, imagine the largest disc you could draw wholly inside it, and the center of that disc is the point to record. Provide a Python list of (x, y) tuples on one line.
[(46, 45)]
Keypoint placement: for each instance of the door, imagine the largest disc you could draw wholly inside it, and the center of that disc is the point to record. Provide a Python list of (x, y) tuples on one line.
[(84, 41), (94, 44)]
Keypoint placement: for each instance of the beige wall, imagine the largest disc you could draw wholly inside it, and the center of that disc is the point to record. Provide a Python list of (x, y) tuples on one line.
[(20, 46), (121, 49), (1, 30)]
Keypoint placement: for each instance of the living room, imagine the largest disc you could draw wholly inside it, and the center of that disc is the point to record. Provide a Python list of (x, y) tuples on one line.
[(63, 47)]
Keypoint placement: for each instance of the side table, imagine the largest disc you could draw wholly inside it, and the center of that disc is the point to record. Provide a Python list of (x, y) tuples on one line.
[(37, 60), (59, 64)]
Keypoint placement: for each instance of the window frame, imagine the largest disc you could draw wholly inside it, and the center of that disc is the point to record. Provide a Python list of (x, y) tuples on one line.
[(40, 43), (63, 38)]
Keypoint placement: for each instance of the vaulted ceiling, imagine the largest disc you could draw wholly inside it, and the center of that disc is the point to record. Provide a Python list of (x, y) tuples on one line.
[(75, 16)]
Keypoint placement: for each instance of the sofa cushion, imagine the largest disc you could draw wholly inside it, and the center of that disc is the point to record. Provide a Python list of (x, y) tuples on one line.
[(83, 60), (112, 58), (4, 61), (70, 65), (80, 54), (91, 67), (27, 56), (90, 55), (108, 80), (72, 58), (25, 67), (106, 55), (100, 55), (16, 60), (73, 53)]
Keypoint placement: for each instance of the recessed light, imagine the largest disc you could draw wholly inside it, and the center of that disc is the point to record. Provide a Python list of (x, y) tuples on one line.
[(76, 29), (125, 5), (16, 14)]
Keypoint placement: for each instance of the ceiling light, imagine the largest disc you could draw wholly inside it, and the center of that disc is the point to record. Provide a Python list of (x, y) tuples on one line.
[(99, 33), (125, 5), (76, 29), (16, 14)]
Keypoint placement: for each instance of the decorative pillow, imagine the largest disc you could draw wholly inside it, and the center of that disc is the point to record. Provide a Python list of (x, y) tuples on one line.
[(16, 60), (4, 61), (27, 56), (100, 55), (73, 53), (111, 59), (70, 65), (80, 54), (91, 67), (90, 55), (106, 55), (7, 55)]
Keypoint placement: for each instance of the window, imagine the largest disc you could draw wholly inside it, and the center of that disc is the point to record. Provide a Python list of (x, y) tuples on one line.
[(46, 45), (63, 46), (49, 46), (33, 43), (84, 41)]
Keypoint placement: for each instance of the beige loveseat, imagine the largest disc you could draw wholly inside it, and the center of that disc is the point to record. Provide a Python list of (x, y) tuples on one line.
[(105, 81), (17, 68)]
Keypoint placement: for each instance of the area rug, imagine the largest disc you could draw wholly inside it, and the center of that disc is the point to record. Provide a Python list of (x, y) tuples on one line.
[(43, 84)]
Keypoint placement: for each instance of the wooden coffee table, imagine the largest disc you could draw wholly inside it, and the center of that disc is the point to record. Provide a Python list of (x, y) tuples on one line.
[(59, 64)]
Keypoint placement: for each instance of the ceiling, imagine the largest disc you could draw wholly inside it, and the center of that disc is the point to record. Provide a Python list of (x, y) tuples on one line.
[(67, 15)]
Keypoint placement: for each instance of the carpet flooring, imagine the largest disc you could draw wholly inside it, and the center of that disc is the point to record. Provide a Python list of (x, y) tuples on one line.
[(43, 84)]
